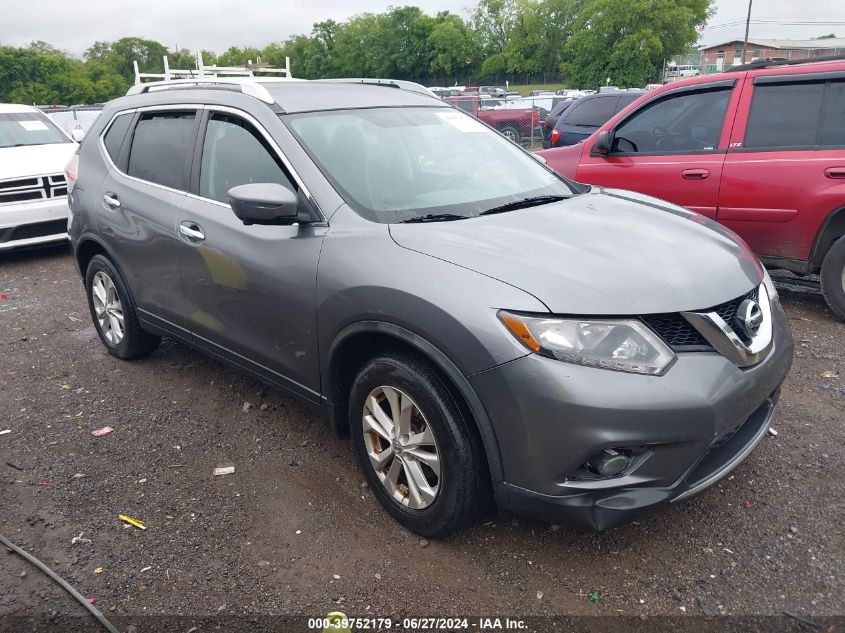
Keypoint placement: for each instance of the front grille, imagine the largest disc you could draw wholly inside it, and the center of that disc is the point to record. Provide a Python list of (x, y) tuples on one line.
[(28, 231), (676, 331), (31, 189)]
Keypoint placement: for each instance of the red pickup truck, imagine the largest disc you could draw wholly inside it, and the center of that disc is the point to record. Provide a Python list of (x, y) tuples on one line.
[(514, 123)]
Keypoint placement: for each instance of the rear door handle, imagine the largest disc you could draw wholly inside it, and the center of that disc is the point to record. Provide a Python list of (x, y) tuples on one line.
[(695, 174), (835, 172), (192, 231), (111, 200)]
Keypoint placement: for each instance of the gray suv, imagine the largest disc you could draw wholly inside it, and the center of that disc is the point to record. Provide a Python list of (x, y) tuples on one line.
[(485, 330)]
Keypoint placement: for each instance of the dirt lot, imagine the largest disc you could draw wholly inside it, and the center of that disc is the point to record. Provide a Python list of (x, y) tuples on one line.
[(295, 531)]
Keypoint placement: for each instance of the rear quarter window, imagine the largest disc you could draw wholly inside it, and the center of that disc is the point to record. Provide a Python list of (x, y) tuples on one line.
[(113, 138)]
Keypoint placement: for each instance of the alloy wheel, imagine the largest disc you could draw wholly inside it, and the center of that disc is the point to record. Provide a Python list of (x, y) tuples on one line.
[(108, 308), (401, 447)]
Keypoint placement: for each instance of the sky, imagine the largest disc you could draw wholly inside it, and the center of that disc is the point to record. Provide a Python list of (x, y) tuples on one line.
[(217, 24)]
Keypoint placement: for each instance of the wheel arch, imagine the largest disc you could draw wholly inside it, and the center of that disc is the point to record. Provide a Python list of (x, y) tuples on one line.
[(359, 341), (831, 230), (86, 248)]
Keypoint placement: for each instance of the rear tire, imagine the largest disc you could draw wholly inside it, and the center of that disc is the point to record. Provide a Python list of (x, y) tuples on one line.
[(833, 278), (113, 312), (511, 133), (428, 469)]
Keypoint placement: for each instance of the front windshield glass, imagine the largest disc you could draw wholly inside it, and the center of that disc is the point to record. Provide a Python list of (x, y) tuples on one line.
[(28, 128), (400, 164)]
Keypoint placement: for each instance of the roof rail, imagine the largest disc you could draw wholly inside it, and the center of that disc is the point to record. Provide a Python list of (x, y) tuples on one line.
[(391, 83), (781, 61), (246, 85)]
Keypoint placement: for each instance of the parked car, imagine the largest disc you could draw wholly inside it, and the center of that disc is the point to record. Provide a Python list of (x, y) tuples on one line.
[(760, 148), (514, 123), (33, 192), (482, 327), (683, 71), (551, 120), (74, 120), (586, 115)]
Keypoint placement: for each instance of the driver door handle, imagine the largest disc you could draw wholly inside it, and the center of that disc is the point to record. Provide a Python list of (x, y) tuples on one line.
[(111, 200), (695, 174), (192, 231)]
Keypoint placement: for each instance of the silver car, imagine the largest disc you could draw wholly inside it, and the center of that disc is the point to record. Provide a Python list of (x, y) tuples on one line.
[(486, 331)]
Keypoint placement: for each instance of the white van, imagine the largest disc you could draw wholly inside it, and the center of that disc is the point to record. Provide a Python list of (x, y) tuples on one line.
[(683, 71)]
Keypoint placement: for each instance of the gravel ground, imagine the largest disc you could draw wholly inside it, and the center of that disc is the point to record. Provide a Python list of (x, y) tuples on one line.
[(295, 531)]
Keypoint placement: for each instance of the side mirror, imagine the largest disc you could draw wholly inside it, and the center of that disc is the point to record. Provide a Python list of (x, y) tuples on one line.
[(540, 159), (77, 134), (604, 141), (264, 203)]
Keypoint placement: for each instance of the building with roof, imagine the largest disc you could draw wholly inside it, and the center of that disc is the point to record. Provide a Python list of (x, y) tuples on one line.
[(717, 57)]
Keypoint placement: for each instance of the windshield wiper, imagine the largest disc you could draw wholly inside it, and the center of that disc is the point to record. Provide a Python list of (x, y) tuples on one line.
[(532, 201), (435, 217)]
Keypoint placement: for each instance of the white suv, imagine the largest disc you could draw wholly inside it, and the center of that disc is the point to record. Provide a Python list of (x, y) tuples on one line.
[(33, 189)]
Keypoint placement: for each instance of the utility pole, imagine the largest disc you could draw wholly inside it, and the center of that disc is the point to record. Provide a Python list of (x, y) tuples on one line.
[(747, 24)]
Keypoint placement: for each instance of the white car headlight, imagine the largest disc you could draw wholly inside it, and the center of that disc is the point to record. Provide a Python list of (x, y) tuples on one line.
[(617, 344)]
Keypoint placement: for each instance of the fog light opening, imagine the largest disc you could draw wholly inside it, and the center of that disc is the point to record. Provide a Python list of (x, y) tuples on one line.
[(608, 463)]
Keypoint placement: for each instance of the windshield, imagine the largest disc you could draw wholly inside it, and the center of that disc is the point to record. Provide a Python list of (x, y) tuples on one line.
[(28, 128), (398, 164)]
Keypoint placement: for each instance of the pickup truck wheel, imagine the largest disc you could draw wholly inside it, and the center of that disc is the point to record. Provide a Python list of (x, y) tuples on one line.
[(511, 133), (833, 278)]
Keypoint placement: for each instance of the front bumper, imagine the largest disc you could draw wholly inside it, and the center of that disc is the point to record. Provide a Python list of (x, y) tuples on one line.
[(689, 428), (30, 223)]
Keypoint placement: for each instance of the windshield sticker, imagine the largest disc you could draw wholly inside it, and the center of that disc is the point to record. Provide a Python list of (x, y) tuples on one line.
[(461, 122), (33, 126)]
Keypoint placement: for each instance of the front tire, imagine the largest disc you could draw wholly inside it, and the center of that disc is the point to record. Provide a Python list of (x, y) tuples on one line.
[(415, 446), (833, 278), (113, 312)]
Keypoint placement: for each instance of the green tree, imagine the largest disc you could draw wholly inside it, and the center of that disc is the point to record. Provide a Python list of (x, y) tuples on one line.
[(626, 41), (455, 48)]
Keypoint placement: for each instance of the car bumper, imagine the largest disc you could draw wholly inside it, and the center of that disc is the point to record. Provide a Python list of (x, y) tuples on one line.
[(686, 430), (32, 223)]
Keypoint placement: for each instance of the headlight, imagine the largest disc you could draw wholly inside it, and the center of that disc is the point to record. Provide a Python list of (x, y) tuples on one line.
[(618, 344), (770, 286)]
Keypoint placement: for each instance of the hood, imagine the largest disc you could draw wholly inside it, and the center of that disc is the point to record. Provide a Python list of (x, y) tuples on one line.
[(606, 252), (35, 160)]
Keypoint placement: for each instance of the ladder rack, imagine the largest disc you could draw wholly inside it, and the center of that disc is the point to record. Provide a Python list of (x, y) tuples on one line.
[(257, 72)]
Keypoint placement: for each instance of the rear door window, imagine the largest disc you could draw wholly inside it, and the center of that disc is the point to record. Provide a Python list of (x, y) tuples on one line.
[(833, 122), (592, 112), (162, 145), (784, 115)]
